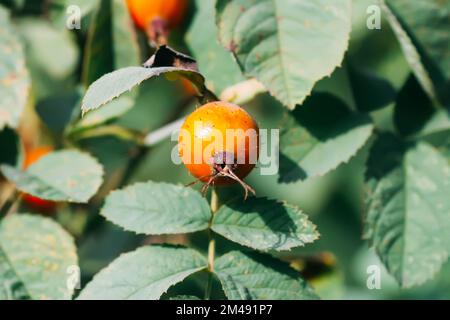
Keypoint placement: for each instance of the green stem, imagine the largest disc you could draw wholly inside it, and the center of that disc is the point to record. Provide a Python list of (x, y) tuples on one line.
[(211, 245), (108, 130)]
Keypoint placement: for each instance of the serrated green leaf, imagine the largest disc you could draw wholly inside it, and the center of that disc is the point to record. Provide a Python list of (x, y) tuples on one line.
[(66, 175), (319, 136), (35, 254), (407, 209), (411, 52), (118, 82), (253, 276), (264, 224), (157, 208), (14, 78), (287, 45), (164, 96), (215, 63), (429, 22), (144, 274)]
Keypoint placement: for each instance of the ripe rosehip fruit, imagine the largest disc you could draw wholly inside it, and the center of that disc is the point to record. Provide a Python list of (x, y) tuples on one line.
[(219, 144), (144, 12), (35, 203)]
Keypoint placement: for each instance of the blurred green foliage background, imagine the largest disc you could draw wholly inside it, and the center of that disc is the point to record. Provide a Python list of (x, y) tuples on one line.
[(57, 59)]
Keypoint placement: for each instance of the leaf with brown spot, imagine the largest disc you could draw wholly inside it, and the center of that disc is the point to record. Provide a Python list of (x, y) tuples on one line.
[(67, 175), (35, 254), (14, 78)]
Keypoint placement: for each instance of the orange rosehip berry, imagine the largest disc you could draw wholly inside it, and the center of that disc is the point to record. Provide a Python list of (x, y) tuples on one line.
[(144, 11), (219, 144)]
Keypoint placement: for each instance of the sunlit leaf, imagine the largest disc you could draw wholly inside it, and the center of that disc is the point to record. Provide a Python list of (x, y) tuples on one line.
[(157, 208), (14, 79), (144, 274), (264, 224), (407, 209), (36, 256), (287, 45), (116, 83), (253, 276), (67, 175)]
